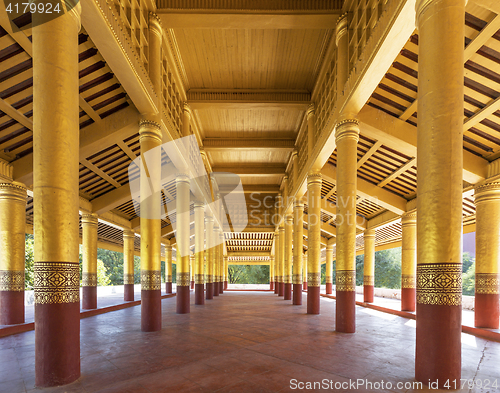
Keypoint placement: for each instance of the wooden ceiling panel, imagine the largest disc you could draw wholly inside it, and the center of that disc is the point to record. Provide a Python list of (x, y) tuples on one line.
[(268, 179), (250, 59), (257, 156)]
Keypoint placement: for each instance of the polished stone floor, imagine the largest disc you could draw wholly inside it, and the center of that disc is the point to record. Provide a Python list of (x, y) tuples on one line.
[(242, 342)]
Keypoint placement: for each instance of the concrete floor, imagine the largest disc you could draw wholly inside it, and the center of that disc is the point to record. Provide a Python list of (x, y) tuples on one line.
[(241, 342)]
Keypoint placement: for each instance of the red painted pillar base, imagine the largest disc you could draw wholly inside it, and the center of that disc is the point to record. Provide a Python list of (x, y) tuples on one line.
[(209, 294), (313, 300), (368, 293), (89, 297), (438, 349), (150, 310), (57, 344), (486, 311), (329, 288), (128, 292), (297, 294), (216, 288), (288, 291), (199, 294), (281, 291), (11, 307), (221, 287), (276, 287), (304, 286), (271, 285), (225, 284), (183, 299), (345, 312), (192, 284), (168, 287), (408, 299)]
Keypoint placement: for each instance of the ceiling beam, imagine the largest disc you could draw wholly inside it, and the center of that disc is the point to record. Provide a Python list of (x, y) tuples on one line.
[(403, 168), (260, 170), (492, 5), (254, 189), (111, 199), (401, 136), (224, 144), (368, 154)]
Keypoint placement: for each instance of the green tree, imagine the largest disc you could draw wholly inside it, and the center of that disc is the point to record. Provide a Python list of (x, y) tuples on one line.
[(29, 262), (388, 268), (248, 274), (469, 280), (102, 278), (467, 261)]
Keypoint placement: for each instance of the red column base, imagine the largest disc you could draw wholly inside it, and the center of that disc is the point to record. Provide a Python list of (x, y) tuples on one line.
[(345, 312), (368, 293), (209, 294), (329, 288), (199, 294), (486, 311), (216, 288), (192, 284), (168, 287), (89, 298), (408, 299), (183, 298), (271, 285), (438, 345), (297, 294), (57, 344), (304, 286), (288, 291), (11, 307), (150, 310), (313, 300), (276, 287), (225, 284), (281, 290), (221, 287), (128, 292)]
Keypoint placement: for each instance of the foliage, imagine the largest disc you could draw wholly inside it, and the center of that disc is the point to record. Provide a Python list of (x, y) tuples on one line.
[(467, 261), (469, 279), (248, 274), (102, 278), (29, 262)]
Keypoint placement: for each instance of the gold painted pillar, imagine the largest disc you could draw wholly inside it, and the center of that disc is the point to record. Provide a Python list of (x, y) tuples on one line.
[(168, 268), (298, 247), (440, 26), (277, 261), (282, 260), (12, 250), (128, 265), (347, 136), (486, 305), (288, 256), (186, 120), (191, 269), (409, 261), (182, 236), (209, 223), (199, 244), (329, 270), (304, 271), (314, 182), (216, 256), (369, 266), (56, 199), (89, 265)]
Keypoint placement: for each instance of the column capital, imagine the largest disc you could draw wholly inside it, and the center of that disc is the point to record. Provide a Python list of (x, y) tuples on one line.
[(298, 204), (409, 218), (199, 205), (76, 14), (282, 230), (168, 247), (186, 108), (155, 24), (181, 177), (289, 218), (329, 248), (314, 178), (310, 110), (149, 129), (14, 191), (89, 219), (128, 233), (487, 191), (369, 233), (209, 219), (295, 153), (341, 27), (347, 128)]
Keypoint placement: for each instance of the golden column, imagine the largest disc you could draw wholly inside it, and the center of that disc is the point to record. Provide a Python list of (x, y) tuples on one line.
[(346, 135), (199, 244), (314, 182), (191, 269), (409, 261), (288, 256), (298, 246), (439, 179), (128, 265), (271, 273), (486, 305), (186, 120), (56, 199), (168, 268), (216, 261), (304, 271), (276, 262), (182, 201), (221, 263), (329, 269), (226, 274), (12, 250), (282, 260), (369, 266), (89, 265), (209, 224)]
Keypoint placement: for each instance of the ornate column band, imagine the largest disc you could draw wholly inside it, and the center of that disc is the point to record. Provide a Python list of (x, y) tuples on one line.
[(313, 279), (128, 279), (149, 129), (369, 280), (150, 280), (488, 283), (183, 279), (345, 280), (439, 284), (57, 282), (408, 281), (297, 279), (11, 280), (348, 129), (89, 279)]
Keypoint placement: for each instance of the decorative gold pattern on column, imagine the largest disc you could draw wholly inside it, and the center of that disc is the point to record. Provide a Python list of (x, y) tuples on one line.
[(297, 279), (150, 280), (408, 281), (439, 284), (345, 280), (56, 282), (488, 283), (313, 279), (128, 278), (11, 280), (199, 279), (89, 279), (183, 279), (369, 280)]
